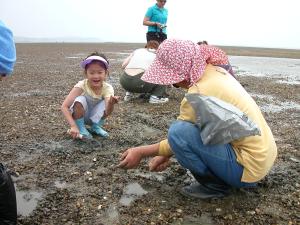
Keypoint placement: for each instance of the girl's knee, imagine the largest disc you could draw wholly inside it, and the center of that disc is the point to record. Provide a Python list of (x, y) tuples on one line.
[(78, 110), (82, 100)]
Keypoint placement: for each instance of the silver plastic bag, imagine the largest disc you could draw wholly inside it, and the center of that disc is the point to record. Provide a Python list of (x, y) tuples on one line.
[(220, 122)]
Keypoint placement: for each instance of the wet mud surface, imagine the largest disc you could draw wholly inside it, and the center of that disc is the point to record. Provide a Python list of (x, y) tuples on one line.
[(62, 181)]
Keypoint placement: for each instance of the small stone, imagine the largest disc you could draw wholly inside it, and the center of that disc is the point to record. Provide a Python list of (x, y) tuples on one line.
[(88, 173), (251, 213), (179, 210)]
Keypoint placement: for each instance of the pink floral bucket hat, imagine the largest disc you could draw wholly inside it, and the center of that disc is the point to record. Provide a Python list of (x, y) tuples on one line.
[(178, 60)]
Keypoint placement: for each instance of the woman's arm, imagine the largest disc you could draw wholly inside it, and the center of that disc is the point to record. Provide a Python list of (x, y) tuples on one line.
[(126, 61), (147, 22), (132, 157)]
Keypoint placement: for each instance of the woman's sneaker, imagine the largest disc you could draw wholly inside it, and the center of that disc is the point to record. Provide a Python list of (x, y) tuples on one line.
[(155, 99), (128, 96)]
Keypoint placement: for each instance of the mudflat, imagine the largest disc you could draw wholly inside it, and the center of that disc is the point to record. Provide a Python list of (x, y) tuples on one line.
[(65, 181)]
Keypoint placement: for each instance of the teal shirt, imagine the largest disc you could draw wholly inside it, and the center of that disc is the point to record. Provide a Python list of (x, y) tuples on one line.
[(159, 15)]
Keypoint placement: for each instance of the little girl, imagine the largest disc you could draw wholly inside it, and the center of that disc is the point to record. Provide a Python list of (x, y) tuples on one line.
[(91, 100)]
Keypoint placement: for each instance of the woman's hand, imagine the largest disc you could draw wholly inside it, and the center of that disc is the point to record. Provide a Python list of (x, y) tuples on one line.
[(159, 163), (130, 158), (160, 25)]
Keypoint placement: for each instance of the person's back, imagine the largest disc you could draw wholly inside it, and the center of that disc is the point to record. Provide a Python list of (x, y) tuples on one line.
[(141, 59), (134, 66)]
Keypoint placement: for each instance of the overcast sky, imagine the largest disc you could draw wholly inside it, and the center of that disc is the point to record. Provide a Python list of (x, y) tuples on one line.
[(257, 23)]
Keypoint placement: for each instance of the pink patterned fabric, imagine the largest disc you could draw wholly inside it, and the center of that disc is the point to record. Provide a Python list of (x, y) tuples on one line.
[(178, 60), (214, 55)]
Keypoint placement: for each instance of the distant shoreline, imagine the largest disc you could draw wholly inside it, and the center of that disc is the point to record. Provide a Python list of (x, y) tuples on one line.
[(230, 50)]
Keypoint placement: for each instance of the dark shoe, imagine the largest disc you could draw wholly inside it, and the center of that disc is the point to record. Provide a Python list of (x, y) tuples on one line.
[(202, 192), (144, 96)]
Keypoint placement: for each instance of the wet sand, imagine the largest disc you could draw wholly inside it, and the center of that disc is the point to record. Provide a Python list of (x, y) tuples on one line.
[(61, 181)]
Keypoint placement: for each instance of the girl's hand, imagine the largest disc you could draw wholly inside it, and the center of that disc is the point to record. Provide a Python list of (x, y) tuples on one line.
[(130, 158), (74, 132), (114, 99), (159, 163)]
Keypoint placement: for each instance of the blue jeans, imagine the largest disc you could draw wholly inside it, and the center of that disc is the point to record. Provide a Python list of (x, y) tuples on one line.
[(215, 161)]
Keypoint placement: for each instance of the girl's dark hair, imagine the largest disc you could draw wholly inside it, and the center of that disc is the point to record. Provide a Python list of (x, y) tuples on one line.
[(202, 43), (98, 54), (152, 44)]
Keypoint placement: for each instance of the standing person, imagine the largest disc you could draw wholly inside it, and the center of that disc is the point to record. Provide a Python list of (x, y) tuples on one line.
[(91, 100), (218, 168), (134, 67), (8, 204), (156, 19)]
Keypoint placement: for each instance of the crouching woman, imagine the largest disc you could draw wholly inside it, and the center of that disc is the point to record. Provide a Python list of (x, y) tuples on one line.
[(217, 167)]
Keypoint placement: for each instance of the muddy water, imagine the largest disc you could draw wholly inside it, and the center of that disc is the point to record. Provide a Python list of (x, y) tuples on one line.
[(285, 70), (27, 201), (131, 192)]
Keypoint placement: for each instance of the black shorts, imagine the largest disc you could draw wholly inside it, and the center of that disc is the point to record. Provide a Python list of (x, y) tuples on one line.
[(156, 36)]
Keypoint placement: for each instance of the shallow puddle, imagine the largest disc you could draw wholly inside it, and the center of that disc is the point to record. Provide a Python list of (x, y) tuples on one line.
[(152, 176), (132, 192), (60, 184), (73, 57), (111, 216), (27, 201), (205, 219), (282, 68), (268, 97), (288, 82), (275, 108)]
